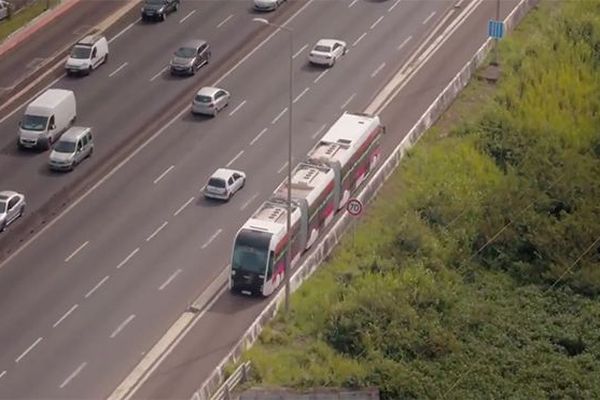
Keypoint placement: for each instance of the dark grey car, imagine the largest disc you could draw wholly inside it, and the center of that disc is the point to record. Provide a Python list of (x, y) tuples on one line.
[(158, 9), (190, 57)]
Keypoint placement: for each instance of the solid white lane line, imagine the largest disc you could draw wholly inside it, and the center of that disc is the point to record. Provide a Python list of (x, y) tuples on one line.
[(378, 70), (169, 280), (300, 51), (348, 101), (225, 21), (237, 108), (88, 294), (187, 16), (163, 174), (120, 327), (23, 354), (3, 373), (65, 315), (149, 238), (258, 136), (393, 5), (77, 251), (133, 253), (319, 131), (353, 3), (404, 42), (180, 209), (128, 27), (322, 74), (213, 237), (73, 375), (279, 116), (301, 94), (238, 155), (250, 200), (159, 73), (376, 22), (426, 20), (359, 39), (118, 69), (282, 167)]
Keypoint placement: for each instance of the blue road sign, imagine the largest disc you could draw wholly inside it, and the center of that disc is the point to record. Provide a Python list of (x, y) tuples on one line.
[(495, 29)]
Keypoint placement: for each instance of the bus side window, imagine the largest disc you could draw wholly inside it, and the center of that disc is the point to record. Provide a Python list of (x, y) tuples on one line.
[(270, 266)]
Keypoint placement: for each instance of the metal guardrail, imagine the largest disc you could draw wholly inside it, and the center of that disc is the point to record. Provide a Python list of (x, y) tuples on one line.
[(240, 375)]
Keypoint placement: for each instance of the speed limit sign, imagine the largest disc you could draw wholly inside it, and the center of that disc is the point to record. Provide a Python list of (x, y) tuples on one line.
[(354, 207)]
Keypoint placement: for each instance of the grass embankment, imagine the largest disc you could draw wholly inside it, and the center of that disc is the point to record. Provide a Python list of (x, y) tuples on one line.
[(475, 273), (25, 15)]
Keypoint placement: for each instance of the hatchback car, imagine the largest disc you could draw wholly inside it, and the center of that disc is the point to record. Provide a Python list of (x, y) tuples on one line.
[(74, 146), (267, 5), (4, 9), (12, 206), (224, 183), (190, 57), (210, 100), (158, 9), (327, 51)]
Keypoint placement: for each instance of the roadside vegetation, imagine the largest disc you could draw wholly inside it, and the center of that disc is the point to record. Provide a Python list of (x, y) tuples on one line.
[(23, 16), (476, 272)]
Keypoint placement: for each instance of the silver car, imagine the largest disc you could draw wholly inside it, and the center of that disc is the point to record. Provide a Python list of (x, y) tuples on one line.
[(4, 9), (12, 206), (210, 100), (190, 57), (224, 183)]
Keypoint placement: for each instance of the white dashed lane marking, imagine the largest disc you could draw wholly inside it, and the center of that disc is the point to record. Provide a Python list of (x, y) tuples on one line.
[(65, 315), (213, 237), (73, 375), (279, 116), (237, 108), (122, 326), (88, 294), (359, 39), (180, 209), (300, 51), (300, 95), (133, 253), (319, 131), (428, 18), (159, 73), (238, 155), (160, 228), (404, 42), (224, 21), (169, 279), (376, 22), (258, 136), (187, 16), (165, 172), (378, 70), (247, 202), (348, 101), (73, 254), (118, 69), (23, 354)]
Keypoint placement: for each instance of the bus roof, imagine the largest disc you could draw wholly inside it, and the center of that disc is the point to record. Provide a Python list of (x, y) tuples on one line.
[(308, 182), (349, 132)]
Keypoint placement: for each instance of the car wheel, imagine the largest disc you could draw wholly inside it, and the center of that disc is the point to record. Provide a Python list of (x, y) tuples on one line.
[(176, 7), (3, 227), (91, 152), (89, 70), (105, 58), (163, 16), (345, 51), (21, 211), (243, 183)]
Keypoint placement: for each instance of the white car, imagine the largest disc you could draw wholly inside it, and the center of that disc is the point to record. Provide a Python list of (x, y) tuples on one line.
[(267, 5), (224, 183), (12, 206), (327, 51)]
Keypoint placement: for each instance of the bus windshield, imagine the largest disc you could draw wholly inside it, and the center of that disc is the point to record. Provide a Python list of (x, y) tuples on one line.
[(251, 251)]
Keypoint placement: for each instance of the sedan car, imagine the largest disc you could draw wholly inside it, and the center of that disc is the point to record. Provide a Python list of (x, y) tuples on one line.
[(12, 206), (267, 5), (210, 100), (190, 57), (4, 9), (158, 9), (224, 183), (327, 51)]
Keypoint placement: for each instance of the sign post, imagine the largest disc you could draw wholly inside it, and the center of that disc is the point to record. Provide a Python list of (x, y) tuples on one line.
[(354, 208), (496, 31)]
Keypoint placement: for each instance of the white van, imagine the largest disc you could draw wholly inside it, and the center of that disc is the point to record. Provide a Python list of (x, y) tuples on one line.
[(87, 54), (72, 148), (46, 118)]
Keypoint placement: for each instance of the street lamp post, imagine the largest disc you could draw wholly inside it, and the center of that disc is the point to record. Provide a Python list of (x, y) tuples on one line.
[(288, 254)]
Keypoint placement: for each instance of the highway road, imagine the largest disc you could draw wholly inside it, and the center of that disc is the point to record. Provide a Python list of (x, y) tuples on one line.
[(84, 300)]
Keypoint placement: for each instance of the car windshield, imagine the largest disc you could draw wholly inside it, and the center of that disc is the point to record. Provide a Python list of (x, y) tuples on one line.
[(82, 52), (185, 52), (3, 206), (64, 146), (216, 182), (203, 99), (322, 49), (34, 123)]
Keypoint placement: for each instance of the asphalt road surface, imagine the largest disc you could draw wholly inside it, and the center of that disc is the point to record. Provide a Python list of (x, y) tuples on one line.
[(84, 301)]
